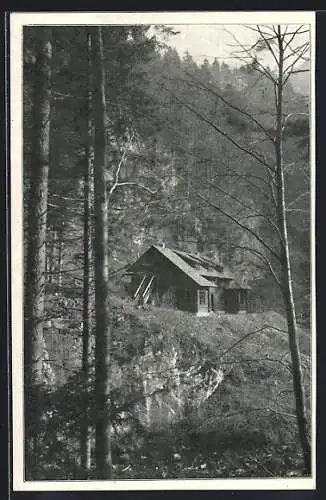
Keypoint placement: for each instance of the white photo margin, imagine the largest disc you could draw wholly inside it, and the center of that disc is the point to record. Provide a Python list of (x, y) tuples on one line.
[(17, 22)]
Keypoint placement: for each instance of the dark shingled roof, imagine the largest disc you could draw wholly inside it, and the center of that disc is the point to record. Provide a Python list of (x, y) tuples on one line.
[(177, 257), (198, 259), (216, 274), (183, 266)]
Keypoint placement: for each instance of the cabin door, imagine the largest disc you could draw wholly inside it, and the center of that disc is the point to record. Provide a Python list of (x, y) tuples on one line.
[(202, 300)]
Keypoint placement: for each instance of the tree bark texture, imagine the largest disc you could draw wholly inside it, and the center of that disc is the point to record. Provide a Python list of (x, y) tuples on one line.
[(34, 302), (88, 182), (37, 217), (103, 332), (50, 254), (287, 286), (60, 256)]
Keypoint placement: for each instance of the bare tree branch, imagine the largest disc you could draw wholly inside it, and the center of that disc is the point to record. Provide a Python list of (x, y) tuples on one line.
[(244, 205), (221, 132), (294, 52), (66, 197), (117, 173), (248, 51), (290, 115), (202, 86), (267, 41), (246, 176), (246, 228), (293, 35), (263, 258), (288, 71), (136, 184), (300, 71), (242, 339), (302, 195)]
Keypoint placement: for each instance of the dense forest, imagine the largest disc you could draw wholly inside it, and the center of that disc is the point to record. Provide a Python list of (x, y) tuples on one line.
[(128, 144)]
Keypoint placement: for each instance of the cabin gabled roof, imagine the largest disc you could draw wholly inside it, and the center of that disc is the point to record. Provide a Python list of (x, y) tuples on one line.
[(181, 264), (198, 259), (179, 259), (215, 271)]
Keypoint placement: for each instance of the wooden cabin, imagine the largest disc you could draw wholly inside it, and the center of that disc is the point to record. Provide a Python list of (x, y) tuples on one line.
[(173, 278)]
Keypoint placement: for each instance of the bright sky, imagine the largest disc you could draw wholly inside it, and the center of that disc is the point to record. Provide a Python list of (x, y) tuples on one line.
[(212, 41)]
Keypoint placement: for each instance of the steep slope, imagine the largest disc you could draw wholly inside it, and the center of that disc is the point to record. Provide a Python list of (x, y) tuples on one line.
[(193, 386), (248, 352)]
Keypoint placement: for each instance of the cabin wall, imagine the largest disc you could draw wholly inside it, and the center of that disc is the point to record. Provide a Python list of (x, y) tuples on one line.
[(173, 288), (243, 300), (217, 299), (186, 299), (231, 301), (236, 301), (170, 281), (169, 278)]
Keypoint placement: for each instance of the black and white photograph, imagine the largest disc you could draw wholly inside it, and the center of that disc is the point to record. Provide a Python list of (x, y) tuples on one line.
[(163, 275)]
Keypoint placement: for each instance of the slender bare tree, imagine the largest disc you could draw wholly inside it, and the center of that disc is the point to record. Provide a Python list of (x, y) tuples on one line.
[(88, 192), (281, 42)]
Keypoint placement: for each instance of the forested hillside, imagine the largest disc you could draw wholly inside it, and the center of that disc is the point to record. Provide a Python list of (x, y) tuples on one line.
[(128, 144)]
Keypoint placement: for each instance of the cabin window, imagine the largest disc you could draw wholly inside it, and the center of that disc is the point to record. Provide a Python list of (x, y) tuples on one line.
[(187, 295), (242, 298), (202, 297)]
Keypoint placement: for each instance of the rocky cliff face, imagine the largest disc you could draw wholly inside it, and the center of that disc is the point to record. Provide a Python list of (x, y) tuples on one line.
[(226, 374)]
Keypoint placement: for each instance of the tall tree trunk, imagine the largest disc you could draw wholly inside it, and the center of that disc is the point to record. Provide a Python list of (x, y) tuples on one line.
[(34, 344), (49, 256), (88, 181), (60, 256), (287, 287), (103, 331)]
